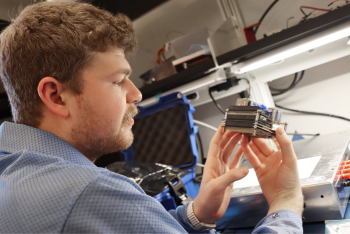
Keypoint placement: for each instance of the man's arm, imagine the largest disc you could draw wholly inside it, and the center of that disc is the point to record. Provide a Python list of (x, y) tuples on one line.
[(281, 221), (114, 204)]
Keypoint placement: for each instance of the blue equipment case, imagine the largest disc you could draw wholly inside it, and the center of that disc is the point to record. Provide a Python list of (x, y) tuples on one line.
[(164, 134)]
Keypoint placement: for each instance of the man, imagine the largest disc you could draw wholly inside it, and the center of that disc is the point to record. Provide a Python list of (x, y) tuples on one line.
[(64, 69)]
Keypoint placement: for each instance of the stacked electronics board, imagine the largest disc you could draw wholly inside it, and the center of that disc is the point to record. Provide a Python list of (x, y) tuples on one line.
[(252, 119)]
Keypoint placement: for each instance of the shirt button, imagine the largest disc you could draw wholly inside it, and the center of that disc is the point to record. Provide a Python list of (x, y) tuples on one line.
[(275, 215)]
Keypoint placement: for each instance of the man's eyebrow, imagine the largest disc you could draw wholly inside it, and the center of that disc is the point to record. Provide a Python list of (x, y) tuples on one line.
[(126, 71)]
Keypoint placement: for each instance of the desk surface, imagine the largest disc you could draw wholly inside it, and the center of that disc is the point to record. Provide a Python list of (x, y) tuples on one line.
[(313, 228)]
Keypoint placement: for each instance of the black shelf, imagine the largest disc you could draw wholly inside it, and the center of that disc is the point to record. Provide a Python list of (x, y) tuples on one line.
[(287, 36), (183, 77)]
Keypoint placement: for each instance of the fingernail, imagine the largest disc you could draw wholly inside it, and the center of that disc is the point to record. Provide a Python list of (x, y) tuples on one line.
[(241, 170)]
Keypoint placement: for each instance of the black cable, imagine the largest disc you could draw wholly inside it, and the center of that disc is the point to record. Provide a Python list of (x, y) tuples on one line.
[(303, 134), (216, 104), (201, 148), (294, 83), (313, 113), (294, 80), (263, 16)]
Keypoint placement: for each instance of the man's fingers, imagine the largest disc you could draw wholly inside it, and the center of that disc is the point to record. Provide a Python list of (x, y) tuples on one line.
[(253, 159), (217, 136), (227, 136), (277, 145), (288, 155), (220, 139), (230, 146), (231, 176), (214, 147), (263, 146), (236, 158), (257, 151)]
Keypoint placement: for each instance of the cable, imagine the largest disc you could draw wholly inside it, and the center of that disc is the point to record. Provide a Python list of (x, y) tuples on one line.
[(314, 8), (303, 134), (347, 1), (288, 20), (216, 104), (281, 90), (313, 113), (205, 125), (292, 85), (201, 148), (160, 54), (265, 13)]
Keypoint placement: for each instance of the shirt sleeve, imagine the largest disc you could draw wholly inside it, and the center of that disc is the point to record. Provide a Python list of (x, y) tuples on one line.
[(282, 221), (180, 214)]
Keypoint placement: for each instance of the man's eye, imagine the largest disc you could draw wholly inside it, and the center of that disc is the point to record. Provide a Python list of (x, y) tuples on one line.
[(119, 82)]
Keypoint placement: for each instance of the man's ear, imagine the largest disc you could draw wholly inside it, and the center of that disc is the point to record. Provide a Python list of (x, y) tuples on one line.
[(52, 93)]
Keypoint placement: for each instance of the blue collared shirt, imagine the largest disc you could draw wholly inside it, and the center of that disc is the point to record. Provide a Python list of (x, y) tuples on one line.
[(47, 186)]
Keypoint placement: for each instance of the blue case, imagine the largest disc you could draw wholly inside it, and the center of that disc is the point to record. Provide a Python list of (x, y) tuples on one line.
[(174, 100)]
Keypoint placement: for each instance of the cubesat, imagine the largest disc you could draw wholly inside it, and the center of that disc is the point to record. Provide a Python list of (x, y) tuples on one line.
[(253, 119)]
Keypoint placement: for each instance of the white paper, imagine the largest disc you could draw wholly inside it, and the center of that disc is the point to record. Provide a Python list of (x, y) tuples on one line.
[(305, 167), (344, 230)]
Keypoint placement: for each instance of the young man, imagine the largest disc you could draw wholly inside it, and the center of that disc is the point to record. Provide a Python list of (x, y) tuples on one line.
[(64, 69)]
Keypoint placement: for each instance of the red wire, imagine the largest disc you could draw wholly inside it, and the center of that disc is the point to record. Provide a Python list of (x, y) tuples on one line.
[(314, 8), (160, 53), (341, 0)]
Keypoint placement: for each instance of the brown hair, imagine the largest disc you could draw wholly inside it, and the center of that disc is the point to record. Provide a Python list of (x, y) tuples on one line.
[(56, 39)]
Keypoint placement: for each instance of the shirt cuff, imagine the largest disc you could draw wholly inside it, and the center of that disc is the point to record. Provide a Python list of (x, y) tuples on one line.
[(281, 221), (180, 214)]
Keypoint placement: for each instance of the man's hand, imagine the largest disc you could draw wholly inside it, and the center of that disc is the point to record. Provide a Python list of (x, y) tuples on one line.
[(277, 172), (219, 174)]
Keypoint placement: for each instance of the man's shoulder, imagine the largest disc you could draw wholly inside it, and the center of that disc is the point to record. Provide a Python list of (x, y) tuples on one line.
[(46, 188), (50, 170)]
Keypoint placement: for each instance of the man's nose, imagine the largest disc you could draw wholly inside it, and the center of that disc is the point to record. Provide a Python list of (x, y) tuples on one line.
[(134, 94)]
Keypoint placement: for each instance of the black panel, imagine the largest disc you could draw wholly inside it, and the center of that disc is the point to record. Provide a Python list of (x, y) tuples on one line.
[(5, 108), (163, 137), (3, 24), (131, 8), (288, 36), (108, 159)]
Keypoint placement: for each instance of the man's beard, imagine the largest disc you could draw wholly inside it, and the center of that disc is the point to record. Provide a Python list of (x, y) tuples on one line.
[(92, 142)]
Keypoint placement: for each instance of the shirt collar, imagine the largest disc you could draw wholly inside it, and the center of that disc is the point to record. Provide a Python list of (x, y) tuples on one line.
[(18, 137)]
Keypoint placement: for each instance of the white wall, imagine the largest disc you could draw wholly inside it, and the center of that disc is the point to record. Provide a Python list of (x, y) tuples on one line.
[(9, 9), (324, 88)]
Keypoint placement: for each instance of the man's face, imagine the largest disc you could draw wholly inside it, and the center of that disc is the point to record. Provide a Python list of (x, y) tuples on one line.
[(103, 113)]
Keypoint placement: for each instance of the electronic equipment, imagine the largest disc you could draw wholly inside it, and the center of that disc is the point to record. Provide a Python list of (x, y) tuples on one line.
[(321, 162), (252, 119)]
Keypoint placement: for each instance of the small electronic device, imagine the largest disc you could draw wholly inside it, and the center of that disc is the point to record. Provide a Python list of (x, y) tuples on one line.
[(252, 119)]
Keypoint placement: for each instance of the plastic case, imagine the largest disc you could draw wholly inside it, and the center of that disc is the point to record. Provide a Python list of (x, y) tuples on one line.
[(164, 134)]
